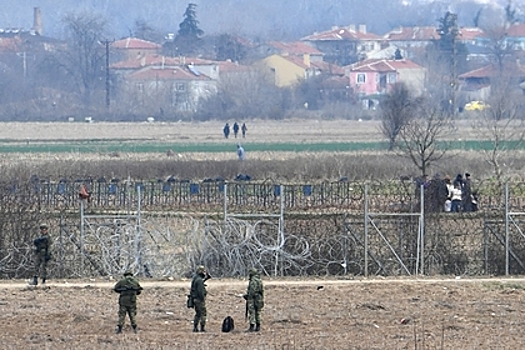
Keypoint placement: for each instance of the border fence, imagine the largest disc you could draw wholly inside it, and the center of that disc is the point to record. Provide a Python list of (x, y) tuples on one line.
[(341, 228)]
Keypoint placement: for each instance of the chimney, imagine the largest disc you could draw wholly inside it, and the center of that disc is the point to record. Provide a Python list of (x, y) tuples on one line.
[(306, 59), (362, 28), (335, 27), (351, 27), (37, 21)]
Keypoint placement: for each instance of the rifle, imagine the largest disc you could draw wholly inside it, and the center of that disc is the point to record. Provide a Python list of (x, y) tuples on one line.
[(207, 277), (246, 311), (128, 288)]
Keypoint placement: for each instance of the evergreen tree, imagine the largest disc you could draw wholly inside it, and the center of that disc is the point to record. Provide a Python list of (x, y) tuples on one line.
[(189, 27), (187, 42)]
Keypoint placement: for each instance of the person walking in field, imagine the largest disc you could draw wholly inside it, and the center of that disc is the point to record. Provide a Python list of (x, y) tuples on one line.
[(226, 130), (243, 130), (128, 288), (235, 129), (240, 152), (254, 300), (198, 295), (42, 254)]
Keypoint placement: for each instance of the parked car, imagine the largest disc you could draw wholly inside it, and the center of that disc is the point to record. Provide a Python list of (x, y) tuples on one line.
[(476, 106)]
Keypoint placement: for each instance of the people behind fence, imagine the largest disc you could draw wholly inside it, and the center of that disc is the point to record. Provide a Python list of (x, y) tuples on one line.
[(466, 200), (244, 128), (235, 129), (226, 130), (128, 288), (443, 194), (42, 254)]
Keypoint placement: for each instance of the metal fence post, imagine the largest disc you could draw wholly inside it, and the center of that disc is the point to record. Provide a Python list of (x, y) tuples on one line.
[(507, 225), (366, 230), (422, 229)]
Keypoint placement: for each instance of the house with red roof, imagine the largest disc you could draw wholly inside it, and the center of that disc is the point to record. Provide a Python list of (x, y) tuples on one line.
[(377, 76), (134, 48), (411, 41), (179, 87), (475, 84), (345, 45), (295, 48)]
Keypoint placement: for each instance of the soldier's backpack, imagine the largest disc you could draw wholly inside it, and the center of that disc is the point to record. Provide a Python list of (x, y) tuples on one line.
[(228, 324)]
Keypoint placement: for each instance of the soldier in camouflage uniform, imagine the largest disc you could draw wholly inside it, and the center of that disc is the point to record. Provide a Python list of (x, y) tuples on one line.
[(198, 294), (255, 300), (128, 287), (42, 254)]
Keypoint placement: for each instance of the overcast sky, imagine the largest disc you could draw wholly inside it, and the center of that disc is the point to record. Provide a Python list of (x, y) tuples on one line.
[(279, 19)]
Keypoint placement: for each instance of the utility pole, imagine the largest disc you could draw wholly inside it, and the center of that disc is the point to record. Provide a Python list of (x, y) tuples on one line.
[(107, 42)]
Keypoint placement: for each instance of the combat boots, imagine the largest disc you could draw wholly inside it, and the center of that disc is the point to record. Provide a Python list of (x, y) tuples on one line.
[(195, 328), (134, 329), (35, 281), (43, 281), (257, 327), (202, 328), (251, 329), (119, 329)]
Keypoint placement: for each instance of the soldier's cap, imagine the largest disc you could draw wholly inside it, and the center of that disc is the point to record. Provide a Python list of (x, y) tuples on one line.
[(201, 269), (43, 226), (128, 273), (253, 271)]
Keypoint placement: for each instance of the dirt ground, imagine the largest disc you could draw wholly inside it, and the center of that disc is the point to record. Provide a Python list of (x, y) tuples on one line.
[(299, 314)]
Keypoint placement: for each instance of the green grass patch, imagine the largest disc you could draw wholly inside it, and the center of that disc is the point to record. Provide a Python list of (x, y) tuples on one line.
[(128, 146)]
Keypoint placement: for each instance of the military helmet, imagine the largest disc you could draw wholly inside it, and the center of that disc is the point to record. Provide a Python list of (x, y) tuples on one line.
[(201, 269), (253, 271), (128, 273), (43, 226)]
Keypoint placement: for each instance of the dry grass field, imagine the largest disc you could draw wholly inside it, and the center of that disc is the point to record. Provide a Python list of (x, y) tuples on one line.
[(270, 131), (344, 314)]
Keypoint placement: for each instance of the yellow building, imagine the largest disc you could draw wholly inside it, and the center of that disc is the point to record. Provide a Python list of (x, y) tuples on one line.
[(288, 70)]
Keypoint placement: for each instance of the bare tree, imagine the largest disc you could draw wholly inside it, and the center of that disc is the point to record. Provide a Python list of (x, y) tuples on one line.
[(422, 138), (84, 56), (397, 109), (249, 94), (501, 124)]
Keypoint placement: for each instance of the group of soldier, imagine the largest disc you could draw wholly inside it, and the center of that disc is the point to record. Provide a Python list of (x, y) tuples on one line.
[(254, 299), (129, 288)]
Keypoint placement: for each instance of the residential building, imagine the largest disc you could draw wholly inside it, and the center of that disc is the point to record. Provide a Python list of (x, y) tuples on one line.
[(288, 70), (377, 76), (295, 48), (412, 40), (475, 85), (134, 48), (178, 87), (345, 45)]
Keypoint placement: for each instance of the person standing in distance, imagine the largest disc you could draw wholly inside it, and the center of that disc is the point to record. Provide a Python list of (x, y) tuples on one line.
[(128, 288), (42, 254), (198, 294), (254, 300), (240, 152)]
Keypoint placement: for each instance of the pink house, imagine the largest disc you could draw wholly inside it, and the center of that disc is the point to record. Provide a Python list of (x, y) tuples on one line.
[(377, 76)]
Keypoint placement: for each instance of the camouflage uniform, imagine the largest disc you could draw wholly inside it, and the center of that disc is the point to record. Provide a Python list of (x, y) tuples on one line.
[(42, 254), (128, 287), (255, 300), (198, 294)]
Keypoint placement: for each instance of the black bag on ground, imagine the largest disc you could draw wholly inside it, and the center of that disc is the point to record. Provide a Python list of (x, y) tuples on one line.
[(228, 324), (189, 302)]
